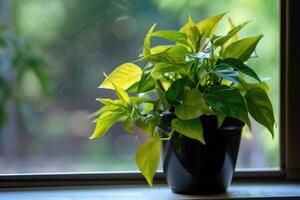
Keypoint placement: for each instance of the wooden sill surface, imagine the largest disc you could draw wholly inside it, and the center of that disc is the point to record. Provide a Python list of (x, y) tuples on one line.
[(240, 190)]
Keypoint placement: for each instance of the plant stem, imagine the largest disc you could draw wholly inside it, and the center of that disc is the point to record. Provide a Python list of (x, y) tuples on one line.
[(160, 85), (169, 137)]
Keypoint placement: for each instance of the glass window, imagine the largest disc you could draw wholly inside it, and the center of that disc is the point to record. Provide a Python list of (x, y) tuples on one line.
[(46, 129)]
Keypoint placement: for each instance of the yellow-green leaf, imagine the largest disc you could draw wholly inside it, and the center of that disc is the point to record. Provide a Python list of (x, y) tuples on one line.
[(185, 28), (104, 109), (125, 76), (104, 122), (172, 35), (263, 85), (109, 102), (242, 49), (191, 30), (147, 45), (173, 55), (123, 96), (207, 26), (147, 158), (231, 34), (191, 128), (160, 49), (232, 25)]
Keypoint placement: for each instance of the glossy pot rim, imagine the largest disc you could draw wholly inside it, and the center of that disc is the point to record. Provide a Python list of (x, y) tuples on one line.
[(228, 123)]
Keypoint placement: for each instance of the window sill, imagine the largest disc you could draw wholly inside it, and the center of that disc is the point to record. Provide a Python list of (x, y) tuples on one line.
[(238, 190)]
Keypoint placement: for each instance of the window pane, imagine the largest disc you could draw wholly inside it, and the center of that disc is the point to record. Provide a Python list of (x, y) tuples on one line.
[(48, 131)]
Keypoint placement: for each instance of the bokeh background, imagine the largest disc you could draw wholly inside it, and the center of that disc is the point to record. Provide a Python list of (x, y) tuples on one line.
[(47, 131)]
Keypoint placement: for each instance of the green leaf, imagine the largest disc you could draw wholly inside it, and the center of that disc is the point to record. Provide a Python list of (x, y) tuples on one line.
[(133, 88), (191, 128), (176, 90), (225, 72), (163, 69), (146, 83), (128, 124), (157, 105), (163, 98), (148, 123), (178, 53), (174, 55), (163, 57), (205, 50), (172, 35), (222, 40), (147, 45), (208, 26), (146, 107), (147, 158), (242, 49), (199, 55), (229, 102), (241, 67), (193, 105), (104, 122), (246, 86), (125, 76), (260, 108)]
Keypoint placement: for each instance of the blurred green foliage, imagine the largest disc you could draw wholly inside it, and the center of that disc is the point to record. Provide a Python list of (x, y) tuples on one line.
[(16, 59)]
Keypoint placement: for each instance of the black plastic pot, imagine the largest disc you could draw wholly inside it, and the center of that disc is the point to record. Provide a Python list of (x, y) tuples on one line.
[(193, 168)]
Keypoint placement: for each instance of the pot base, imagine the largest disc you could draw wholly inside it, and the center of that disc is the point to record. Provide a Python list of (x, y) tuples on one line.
[(197, 192)]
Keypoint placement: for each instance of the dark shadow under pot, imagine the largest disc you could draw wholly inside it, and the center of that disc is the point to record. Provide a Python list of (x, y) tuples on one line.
[(193, 168)]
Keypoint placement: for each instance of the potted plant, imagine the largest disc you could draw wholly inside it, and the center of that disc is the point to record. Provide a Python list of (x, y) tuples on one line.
[(194, 97)]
